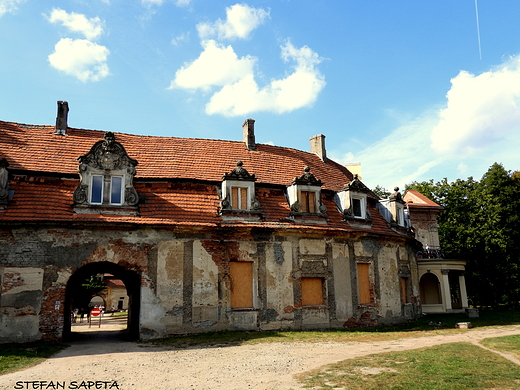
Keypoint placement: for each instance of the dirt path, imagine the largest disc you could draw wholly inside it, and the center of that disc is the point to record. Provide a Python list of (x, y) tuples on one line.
[(131, 366)]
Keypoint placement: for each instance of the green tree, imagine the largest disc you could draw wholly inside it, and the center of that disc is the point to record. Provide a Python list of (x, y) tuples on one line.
[(381, 192)]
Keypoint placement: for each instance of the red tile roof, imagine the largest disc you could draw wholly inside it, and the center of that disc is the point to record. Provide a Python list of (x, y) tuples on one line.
[(36, 148), (416, 199), (45, 167)]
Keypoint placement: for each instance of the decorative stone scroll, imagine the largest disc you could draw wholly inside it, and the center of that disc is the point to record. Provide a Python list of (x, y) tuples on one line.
[(107, 158)]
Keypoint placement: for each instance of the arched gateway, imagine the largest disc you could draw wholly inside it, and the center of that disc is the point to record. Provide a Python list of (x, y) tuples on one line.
[(131, 280)]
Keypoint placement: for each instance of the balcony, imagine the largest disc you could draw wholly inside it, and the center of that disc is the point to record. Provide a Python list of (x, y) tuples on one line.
[(432, 253)]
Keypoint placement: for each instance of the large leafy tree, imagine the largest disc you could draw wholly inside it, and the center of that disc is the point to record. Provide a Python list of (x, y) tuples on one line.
[(481, 224)]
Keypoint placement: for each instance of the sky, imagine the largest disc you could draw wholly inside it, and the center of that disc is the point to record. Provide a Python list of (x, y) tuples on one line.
[(413, 90)]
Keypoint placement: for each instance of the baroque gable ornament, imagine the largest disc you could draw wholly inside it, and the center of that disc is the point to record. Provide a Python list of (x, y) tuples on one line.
[(307, 179), (239, 173), (356, 185), (107, 158)]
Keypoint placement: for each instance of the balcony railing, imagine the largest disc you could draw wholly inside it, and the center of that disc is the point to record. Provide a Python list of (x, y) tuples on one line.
[(430, 253)]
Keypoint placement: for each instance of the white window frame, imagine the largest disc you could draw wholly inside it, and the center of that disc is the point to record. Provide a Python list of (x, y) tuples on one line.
[(346, 201), (227, 191), (121, 191), (294, 193), (91, 192)]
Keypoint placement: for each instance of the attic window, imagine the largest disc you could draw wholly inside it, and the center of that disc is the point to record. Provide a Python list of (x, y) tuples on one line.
[(352, 201), (305, 194), (238, 190), (106, 177)]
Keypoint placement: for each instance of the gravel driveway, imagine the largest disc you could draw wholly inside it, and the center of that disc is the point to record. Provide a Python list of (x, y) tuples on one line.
[(106, 363)]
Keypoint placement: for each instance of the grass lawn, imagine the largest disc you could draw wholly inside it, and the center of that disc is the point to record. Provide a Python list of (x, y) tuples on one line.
[(508, 344), (419, 328), (15, 357), (446, 367)]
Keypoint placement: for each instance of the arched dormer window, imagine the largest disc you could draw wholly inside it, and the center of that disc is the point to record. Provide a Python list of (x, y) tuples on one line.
[(352, 200), (238, 190), (106, 178), (305, 195)]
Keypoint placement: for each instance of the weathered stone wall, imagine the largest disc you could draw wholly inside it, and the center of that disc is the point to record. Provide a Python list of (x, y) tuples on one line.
[(185, 278)]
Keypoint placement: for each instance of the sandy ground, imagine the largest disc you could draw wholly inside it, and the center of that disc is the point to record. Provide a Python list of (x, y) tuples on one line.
[(100, 356)]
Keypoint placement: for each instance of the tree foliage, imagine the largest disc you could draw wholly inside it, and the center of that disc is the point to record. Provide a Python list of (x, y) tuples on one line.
[(481, 224)]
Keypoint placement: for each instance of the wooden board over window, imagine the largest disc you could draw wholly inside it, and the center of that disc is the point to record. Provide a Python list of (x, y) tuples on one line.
[(241, 273), (239, 198), (312, 291), (308, 201), (404, 290), (364, 283)]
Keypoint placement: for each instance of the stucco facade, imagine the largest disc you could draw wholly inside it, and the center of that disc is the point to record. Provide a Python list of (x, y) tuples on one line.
[(192, 259)]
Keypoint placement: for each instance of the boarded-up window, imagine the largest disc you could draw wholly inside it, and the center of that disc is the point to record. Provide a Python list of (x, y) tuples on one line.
[(308, 201), (239, 198), (312, 291), (241, 273), (364, 283), (404, 290), (430, 291)]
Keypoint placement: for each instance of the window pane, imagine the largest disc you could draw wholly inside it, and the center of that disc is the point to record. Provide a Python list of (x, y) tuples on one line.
[(96, 195), (364, 283), (312, 291), (116, 190), (356, 207), (241, 273)]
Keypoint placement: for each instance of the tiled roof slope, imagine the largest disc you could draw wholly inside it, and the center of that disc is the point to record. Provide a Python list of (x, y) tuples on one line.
[(36, 148), (177, 204), (416, 199)]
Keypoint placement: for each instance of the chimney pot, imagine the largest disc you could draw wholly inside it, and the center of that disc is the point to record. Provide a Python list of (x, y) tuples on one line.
[(249, 134), (61, 118), (318, 146)]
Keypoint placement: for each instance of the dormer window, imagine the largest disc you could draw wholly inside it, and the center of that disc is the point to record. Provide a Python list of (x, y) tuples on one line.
[(392, 209), (352, 201), (238, 190), (106, 178), (305, 194)]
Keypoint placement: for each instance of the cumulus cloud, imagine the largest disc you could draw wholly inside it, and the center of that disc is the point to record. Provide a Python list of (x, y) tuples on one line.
[(9, 6), (184, 37), (91, 28), (182, 3), (297, 90), (240, 94), (148, 3), (240, 21), (478, 125), (80, 58), (481, 110), (217, 65)]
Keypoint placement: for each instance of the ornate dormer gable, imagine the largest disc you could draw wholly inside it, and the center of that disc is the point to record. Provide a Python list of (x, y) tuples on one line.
[(305, 195), (352, 200), (238, 190), (106, 177), (393, 209), (4, 183)]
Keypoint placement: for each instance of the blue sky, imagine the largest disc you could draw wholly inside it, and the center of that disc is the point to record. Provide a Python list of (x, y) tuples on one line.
[(401, 86)]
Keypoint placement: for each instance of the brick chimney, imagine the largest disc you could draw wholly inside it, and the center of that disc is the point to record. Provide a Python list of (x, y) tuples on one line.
[(61, 118), (249, 134), (318, 146)]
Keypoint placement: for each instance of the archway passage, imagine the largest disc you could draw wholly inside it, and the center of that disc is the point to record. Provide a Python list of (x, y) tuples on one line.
[(131, 281)]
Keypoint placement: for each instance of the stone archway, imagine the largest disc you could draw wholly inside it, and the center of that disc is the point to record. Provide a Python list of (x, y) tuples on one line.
[(430, 289), (131, 280)]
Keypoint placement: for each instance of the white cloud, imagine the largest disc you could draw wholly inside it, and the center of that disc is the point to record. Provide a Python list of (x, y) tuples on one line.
[(148, 3), (217, 65), (240, 21), (297, 90), (91, 28), (479, 125), (9, 6), (184, 37), (182, 3), (80, 58), (481, 110)]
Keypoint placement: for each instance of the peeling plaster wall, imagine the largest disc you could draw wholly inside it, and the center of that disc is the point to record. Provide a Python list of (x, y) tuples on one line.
[(185, 280)]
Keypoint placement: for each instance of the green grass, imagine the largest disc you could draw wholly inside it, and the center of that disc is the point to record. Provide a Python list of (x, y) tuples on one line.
[(15, 357), (446, 367), (508, 344), (419, 328)]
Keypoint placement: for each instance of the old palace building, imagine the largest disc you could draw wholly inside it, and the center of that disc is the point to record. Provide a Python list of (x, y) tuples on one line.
[(205, 234)]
